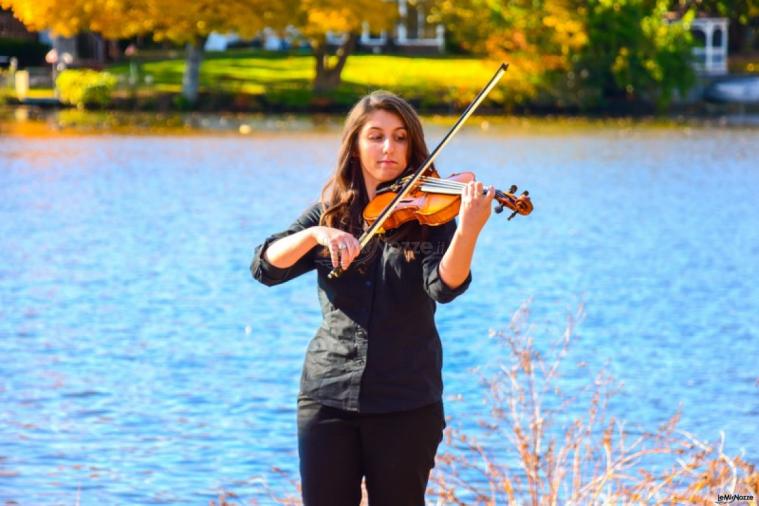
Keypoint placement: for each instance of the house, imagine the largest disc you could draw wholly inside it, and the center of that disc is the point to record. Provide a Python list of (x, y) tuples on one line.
[(411, 34), (710, 53), (710, 37)]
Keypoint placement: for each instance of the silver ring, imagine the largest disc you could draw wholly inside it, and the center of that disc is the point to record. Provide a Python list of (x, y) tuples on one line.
[(342, 246)]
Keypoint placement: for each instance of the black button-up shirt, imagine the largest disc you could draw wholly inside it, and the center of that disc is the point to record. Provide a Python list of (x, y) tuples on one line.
[(377, 349)]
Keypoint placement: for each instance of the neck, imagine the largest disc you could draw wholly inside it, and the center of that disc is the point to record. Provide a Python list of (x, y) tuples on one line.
[(371, 188)]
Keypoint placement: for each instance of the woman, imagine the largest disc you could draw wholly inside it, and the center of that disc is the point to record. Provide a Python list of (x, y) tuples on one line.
[(370, 402)]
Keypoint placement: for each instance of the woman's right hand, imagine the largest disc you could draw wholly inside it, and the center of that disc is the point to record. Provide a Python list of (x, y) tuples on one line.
[(343, 247)]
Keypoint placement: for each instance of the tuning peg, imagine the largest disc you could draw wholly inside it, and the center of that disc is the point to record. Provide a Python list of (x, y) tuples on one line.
[(513, 189), (512, 215), (526, 193), (499, 208)]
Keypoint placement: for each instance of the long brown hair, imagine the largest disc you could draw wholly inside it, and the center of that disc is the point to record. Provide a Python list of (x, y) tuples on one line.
[(344, 195)]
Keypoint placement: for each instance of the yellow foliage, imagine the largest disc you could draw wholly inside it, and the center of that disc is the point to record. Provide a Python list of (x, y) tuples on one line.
[(85, 87), (336, 21), (69, 17), (182, 21), (177, 20), (185, 21), (315, 18), (536, 36)]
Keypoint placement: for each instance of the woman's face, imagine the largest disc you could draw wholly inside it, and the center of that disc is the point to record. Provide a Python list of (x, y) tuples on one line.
[(383, 147)]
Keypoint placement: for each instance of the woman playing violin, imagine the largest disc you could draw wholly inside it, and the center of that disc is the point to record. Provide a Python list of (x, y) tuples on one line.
[(370, 402)]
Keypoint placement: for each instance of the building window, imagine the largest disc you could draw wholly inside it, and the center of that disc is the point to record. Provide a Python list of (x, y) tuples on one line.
[(699, 37), (717, 38)]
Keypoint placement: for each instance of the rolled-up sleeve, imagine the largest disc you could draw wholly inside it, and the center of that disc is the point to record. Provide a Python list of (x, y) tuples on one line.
[(269, 274), (438, 240)]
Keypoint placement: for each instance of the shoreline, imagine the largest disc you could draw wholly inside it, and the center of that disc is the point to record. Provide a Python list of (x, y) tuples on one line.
[(220, 103), (35, 120)]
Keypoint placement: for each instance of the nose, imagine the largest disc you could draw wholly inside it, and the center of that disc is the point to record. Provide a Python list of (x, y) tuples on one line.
[(388, 145)]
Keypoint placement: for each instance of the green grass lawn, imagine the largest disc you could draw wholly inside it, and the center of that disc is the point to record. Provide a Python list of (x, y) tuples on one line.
[(286, 79)]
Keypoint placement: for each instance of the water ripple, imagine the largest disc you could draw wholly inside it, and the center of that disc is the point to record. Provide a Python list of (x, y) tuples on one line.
[(147, 368)]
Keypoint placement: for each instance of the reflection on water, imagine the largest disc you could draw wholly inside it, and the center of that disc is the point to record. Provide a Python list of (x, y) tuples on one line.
[(35, 121), (144, 366)]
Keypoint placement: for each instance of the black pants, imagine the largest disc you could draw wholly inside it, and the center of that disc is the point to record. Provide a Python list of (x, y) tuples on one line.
[(394, 451)]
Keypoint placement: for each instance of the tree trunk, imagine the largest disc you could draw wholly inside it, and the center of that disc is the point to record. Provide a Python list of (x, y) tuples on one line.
[(191, 78), (328, 78)]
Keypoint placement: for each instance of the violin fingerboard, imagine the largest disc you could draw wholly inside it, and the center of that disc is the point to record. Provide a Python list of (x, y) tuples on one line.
[(438, 189)]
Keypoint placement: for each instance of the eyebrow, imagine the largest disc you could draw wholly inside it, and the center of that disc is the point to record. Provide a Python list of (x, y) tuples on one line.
[(380, 128)]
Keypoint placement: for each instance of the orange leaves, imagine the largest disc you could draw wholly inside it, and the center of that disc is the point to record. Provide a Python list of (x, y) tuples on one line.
[(315, 18), (537, 37), (333, 20), (182, 21), (42, 14), (113, 18), (176, 20)]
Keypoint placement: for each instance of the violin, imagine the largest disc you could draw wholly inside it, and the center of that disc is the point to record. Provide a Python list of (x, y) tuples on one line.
[(425, 197), (435, 200)]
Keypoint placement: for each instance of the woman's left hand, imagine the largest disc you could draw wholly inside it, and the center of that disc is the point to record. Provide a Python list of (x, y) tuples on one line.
[(475, 207)]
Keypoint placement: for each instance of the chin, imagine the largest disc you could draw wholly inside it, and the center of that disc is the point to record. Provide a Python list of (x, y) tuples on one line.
[(389, 174)]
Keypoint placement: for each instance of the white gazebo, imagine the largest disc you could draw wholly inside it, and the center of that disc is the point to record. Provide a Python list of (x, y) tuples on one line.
[(710, 53)]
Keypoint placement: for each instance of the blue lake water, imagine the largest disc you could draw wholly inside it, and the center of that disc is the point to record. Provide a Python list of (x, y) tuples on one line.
[(142, 365)]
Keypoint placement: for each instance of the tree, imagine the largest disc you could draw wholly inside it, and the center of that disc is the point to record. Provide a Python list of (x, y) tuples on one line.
[(315, 19), (190, 23), (741, 11), (537, 37), (575, 53), (634, 52), (66, 18), (179, 21)]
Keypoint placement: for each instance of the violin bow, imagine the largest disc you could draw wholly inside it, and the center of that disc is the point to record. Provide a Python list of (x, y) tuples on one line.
[(417, 175)]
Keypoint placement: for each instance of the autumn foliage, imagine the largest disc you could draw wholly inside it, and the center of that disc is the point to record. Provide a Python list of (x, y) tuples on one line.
[(577, 54), (564, 54)]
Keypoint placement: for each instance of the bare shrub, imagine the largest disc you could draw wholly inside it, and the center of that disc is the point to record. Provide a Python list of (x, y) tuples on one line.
[(536, 454)]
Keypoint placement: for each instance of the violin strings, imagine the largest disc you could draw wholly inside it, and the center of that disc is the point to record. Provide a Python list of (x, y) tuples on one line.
[(446, 183), (455, 186), (449, 185)]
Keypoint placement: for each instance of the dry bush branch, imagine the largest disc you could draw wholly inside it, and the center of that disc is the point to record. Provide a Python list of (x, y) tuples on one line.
[(595, 459)]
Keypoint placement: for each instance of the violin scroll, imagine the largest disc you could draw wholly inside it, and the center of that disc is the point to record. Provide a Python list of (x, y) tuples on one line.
[(519, 205)]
